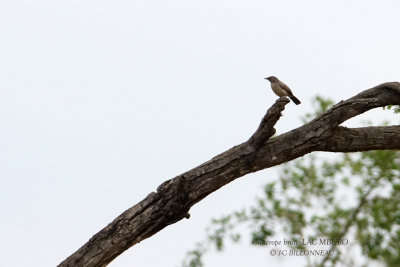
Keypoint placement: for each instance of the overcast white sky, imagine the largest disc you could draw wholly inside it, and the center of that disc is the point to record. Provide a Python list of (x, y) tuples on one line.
[(101, 101)]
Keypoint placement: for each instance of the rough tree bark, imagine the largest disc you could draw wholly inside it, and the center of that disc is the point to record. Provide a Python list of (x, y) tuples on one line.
[(173, 198)]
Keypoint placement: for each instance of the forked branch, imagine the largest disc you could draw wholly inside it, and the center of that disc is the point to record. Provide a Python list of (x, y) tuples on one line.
[(173, 199)]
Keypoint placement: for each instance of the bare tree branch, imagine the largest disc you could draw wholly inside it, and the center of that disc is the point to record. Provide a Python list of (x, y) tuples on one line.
[(174, 197)]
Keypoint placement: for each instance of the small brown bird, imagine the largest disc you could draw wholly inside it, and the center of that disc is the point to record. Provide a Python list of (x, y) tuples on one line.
[(281, 89)]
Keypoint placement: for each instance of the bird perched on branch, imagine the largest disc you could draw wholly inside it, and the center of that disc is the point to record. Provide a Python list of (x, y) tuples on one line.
[(281, 89)]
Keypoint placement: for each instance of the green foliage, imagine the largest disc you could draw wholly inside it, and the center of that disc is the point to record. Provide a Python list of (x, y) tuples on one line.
[(396, 108), (354, 196)]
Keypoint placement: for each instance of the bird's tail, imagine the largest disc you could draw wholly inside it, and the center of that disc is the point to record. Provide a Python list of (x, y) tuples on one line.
[(294, 99)]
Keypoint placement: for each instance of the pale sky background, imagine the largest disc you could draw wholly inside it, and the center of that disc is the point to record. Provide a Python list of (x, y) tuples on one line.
[(102, 101)]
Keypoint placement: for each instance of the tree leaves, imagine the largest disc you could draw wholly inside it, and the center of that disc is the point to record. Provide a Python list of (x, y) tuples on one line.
[(354, 196)]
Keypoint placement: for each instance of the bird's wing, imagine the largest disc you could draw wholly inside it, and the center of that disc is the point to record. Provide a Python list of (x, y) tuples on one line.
[(286, 88)]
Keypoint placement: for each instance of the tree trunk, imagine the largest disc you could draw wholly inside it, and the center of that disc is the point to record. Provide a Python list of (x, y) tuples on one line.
[(173, 198)]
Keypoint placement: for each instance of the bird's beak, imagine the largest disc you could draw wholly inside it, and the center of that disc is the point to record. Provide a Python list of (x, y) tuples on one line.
[(266, 78)]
